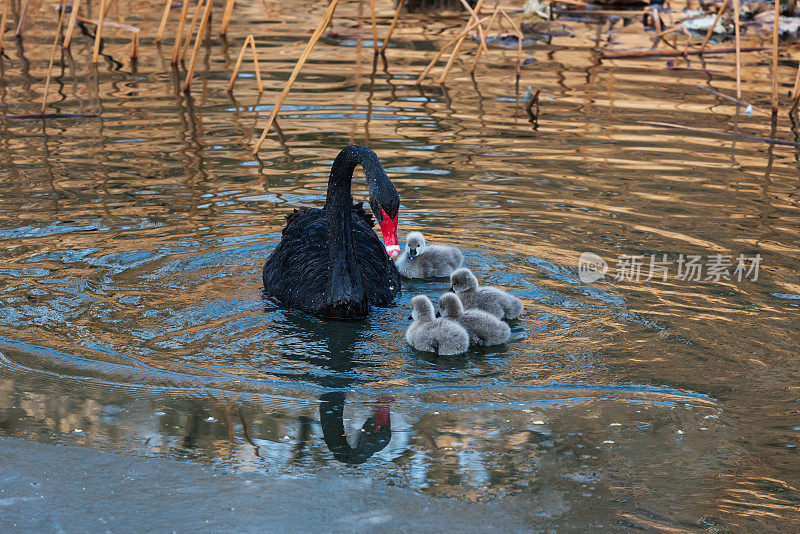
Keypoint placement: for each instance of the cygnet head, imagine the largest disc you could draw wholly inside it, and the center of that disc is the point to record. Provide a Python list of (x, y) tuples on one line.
[(450, 305), (463, 280), (421, 308), (415, 244)]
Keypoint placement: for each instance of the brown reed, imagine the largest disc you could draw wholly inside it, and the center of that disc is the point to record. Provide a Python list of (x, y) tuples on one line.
[(488, 29), (226, 17), (125, 27), (473, 13), (197, 10), (326, 18), (738, 50), (391, 26), (3, 22), (457, 47), (23, 13), (775, 36), (99, 30), (176, 42), (441, 52), (197, 42), (672, 53), (374, 26), (252, 42), (73, 17), (162, 26), (519, 42), (61, 9), (135, 45), (533, 101), (714, 24), (769, 140), (796, 89)]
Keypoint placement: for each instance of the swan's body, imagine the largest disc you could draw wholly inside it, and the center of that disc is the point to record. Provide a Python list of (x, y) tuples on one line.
[(329, 261), (483, 328), (428, 334), (420, 260), (489, 299)]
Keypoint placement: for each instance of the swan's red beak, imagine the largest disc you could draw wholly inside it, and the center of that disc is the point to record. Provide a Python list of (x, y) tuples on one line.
[(389, 231)]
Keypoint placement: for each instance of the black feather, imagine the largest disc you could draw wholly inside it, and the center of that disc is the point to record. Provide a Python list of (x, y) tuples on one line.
[(296, 272)]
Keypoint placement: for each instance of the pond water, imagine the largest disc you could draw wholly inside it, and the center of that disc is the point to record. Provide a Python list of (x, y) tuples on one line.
[(132, 317)]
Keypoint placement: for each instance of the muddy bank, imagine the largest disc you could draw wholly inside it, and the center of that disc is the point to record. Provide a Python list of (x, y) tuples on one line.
[(48, 488)]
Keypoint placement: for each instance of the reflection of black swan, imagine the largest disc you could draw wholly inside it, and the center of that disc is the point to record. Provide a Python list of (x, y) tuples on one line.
[(329, 261), (373, 436)]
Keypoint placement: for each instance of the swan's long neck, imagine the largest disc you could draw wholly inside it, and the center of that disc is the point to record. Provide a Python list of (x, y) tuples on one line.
[(346, 284)]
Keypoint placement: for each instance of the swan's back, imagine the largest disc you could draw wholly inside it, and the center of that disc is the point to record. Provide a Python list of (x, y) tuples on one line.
[(296, 273)]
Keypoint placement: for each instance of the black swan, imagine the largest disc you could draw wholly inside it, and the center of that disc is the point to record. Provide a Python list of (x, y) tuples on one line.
[(329, 262)]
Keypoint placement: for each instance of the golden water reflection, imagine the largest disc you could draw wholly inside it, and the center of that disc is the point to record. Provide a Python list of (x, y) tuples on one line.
[(134, 240)]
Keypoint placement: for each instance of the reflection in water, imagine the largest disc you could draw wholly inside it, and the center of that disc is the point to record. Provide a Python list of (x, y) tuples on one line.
[(374, 436), (130, 295)]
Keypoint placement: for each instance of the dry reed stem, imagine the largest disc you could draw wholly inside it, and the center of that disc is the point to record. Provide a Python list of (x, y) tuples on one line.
[(3, 21), (374, 26), (738, 50), (721, 95), (519, 42), (775, 35), (488, 29), (463, 32), (673, 53), (76, 4), (176, 42), (688, 41), (326, 18), (796, 88), (198, 40), (573, 2), (226, 17), (620, 13), (22, 14), (110, 24), (252, 42), (456, 49), (135, 45), (534, 100), (197, 10), (125, 27), (391, 26), (99, 31), (670, 30), (62, 5), (163, 24), (771, 141), (714, 25), (474, 14)]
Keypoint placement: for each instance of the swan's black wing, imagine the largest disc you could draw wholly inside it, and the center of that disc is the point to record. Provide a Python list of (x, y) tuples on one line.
[(381, 278), (296, 272)]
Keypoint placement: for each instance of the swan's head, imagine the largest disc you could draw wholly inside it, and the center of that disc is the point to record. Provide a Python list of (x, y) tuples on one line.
[(383, 199), (463, 280), (450, 305), (415, 244), (421, 308)]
